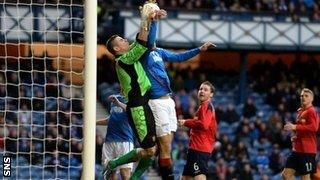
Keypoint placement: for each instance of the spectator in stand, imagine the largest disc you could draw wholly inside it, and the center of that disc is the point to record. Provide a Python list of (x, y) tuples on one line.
[(276, 159), (24, 115), (226, 150), (249, 109), (3, 131), (263, 130), (11, 143), (76, 149), (2, 91), (280, 7), (316, 12), (220, 113), (190, 82), (281, 108), (262, 143), (191, 109), (276, 133), (272, 96), (221, 169), (231, 173), (262, 161), (241, 152), (231, 115), (274, 119), (246, 172), (229, 154), (178, 106), (243, 135), (254, 132), (224, 140)]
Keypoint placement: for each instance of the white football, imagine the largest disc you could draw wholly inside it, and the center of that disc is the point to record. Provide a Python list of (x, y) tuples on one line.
[(149, 8)]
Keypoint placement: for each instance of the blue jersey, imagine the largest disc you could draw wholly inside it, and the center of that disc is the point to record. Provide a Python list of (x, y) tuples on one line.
[(118, 129), (154, 66)]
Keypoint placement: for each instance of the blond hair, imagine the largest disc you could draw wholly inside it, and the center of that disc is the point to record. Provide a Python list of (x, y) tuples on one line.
[(306, 90)]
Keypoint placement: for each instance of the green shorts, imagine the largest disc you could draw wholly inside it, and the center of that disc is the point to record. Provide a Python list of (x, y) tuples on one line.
[(142, 122)]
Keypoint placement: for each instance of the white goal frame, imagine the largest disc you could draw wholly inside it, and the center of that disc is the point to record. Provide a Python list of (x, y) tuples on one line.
[(90, 84)]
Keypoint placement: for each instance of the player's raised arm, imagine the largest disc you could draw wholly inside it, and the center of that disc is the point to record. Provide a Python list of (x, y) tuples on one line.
[(116, 101), (206, 46)]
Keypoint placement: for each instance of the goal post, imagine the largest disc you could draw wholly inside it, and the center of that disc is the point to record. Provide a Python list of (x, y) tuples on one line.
[(48, 88), (90, 90)]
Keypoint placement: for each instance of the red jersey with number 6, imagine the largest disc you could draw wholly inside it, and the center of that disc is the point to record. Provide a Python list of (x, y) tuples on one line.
[(203, 128)]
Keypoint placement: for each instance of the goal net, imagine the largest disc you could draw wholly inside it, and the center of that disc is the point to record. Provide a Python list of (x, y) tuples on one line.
[(41, 88)]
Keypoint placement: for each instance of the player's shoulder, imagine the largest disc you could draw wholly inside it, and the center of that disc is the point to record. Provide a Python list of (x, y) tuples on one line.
[(207, 106), (312, 109), (211, 106), (159, 50)]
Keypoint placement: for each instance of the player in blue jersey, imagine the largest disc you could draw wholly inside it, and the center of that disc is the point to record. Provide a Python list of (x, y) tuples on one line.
[(119, 138), (161, 103)]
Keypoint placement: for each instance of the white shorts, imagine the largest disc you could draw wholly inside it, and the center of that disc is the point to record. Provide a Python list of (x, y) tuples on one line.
[(164, 113), (111, 150)]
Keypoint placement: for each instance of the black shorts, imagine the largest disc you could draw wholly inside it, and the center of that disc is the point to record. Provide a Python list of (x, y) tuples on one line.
[(196, 163), (302, 163), (143, 125)]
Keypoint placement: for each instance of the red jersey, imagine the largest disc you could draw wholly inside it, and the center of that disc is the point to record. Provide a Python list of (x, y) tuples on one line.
[(305, 140), (203, 128)]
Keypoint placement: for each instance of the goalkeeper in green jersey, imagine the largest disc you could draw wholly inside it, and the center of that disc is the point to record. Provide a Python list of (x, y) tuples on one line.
[(135, 84)]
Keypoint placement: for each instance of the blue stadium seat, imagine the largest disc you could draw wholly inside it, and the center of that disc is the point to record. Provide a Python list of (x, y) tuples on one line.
[(75, 172), (239, 108), (28, 90), (2, 103), (14, 174), (37, 88), (62, 174), (37, 172), (74, 161), (49, 175), (51, 104), (64, 161), (98, 171), (24, 172), (22, 161), (38, 118)]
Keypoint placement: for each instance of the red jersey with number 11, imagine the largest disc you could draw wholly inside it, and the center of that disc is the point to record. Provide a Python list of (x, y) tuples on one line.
[(203, 128), (306, 131)]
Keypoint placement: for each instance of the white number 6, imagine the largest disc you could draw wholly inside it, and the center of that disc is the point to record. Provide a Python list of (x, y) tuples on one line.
[(195, 167)]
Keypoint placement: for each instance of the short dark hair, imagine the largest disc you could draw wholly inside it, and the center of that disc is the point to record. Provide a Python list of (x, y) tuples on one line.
[(208, 83), (110, 44)]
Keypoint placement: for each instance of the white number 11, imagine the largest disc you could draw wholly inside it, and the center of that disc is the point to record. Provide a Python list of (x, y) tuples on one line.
[(308, 166)]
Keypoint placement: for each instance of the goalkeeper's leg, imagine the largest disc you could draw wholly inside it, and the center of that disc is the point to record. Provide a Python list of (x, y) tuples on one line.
[(142, 122), (133, 156)]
